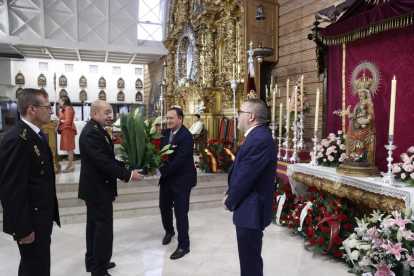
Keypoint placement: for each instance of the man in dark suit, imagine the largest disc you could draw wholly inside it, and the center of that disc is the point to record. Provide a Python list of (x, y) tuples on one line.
[(29, 199), (251, 185), (97, 186), (178, 177)]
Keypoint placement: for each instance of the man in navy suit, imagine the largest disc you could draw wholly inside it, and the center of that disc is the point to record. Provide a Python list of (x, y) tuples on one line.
[(251, 185), (178, 177)]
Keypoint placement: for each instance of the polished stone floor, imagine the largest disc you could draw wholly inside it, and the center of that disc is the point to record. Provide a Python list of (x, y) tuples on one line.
[(138, 250)]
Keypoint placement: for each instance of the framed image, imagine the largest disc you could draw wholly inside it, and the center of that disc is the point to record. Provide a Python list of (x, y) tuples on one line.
[(18, 91), (83, 81), (138, 97), (102, 95), (102, 82), (63, 81), (121, 83), (138, 83), (63, 93), (121, 96), (19, 78), (41, 80), (83, 96)]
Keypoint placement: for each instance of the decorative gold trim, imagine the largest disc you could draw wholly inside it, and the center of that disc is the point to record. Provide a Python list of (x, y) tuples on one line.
[(281, 171), (397, 22), (343, 85)]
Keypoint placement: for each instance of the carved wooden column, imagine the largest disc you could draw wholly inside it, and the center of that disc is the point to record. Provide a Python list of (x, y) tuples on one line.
[(210, 65)]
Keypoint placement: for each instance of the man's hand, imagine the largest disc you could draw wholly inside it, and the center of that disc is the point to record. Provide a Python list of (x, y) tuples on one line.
[(29, 239), (224, 201), (136, 176)]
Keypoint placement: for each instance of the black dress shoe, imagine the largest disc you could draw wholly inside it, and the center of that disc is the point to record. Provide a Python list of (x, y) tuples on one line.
[(167, 239), (110, 265), (179, 253)]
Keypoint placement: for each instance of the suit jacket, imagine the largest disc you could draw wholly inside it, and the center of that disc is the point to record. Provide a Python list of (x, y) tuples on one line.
[(67, 114), (27, 184), (180, 171), (99, 168), (252, 180)]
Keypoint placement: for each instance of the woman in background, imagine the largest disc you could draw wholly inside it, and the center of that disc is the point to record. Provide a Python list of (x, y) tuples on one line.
[(67, 130)]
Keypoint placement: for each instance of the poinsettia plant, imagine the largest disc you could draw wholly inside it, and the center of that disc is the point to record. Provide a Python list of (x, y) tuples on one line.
[(404, 171), (331, 152), (382, 245), (214, 157)]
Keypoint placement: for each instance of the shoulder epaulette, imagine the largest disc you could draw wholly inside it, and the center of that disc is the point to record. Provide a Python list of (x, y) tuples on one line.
[(23, 135), (95, 127)]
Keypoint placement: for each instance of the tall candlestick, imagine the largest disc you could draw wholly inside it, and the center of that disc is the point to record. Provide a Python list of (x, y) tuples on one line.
[(302, 91), (295, 102), (234, 68), (280, 120), (287, 91), (392, 107), (288, 115), (317, 110), (271, 83), (251, 44), (279, 91), (274, 106)]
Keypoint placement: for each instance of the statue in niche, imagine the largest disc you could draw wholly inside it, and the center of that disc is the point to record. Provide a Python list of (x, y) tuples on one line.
[(138, 83), (63, 81), (41, 80), (121, 96), (63, 93), (18, 91), (19, 78), (83, 81), (138, 97), (102, 82), (121, 83), (83, 96), (199, 108), (102, 95)]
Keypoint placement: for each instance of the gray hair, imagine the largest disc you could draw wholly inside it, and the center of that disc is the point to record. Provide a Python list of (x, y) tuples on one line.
[(29, 96), (258, 108)]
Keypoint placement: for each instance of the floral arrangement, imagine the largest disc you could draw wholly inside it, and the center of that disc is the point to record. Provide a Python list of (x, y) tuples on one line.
[(215, 157), (293, 101), (285, 200), (140, 145), (405, 171), (331, 151), (324, 220), (382, 245)]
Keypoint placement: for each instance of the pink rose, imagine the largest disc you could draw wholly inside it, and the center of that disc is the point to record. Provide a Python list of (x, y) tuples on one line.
[(412, 175), (403, 176), (339, 132), (324, 160), (330, 158), (339, 142), (343, 157), (396, 169), (411, 149), (320, 155), (344, 136), (409, 168), (342, 147)]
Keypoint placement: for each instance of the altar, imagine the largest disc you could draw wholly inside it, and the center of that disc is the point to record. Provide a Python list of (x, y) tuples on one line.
[(79, 126), (371, 193)]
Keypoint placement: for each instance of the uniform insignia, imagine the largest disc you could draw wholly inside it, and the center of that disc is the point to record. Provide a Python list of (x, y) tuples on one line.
[(95, 127), (37, 150), (107, 139), (23, 135)]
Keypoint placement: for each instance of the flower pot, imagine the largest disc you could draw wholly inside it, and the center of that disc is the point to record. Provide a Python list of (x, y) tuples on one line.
[(136, 167)]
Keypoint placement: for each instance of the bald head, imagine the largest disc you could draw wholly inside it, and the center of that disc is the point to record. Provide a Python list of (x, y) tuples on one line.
[(101, 112)]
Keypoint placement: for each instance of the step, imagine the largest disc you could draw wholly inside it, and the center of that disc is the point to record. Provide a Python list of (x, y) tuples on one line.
[(70, 199)]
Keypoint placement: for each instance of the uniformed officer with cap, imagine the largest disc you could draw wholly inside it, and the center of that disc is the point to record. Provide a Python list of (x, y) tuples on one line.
[(27, 184)]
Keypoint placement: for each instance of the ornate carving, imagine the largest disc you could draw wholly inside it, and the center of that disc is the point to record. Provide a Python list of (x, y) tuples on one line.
[(19, 78), (102, 82), (121, 96), (63, 81), (83, 81), (63, 93), (83, 96), (41, 80), (120, 83), (102, 95)]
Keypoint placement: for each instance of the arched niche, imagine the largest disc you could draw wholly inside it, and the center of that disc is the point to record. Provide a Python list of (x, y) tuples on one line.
[(187, 55)]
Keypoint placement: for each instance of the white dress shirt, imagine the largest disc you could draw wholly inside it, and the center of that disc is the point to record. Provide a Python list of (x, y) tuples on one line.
[(196, 128)]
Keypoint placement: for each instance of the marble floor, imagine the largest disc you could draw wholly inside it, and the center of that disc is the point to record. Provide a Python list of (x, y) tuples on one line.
[(138, 250)]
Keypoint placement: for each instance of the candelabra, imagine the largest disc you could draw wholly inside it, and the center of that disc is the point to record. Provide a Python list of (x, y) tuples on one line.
[(314, 161), (280, 138), (273, 127), (233, 85), (301, 126), (295, 158), (287, 144), (163, 88), (388, 177)]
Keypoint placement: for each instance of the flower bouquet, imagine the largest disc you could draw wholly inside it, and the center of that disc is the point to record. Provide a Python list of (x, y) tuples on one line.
[(331, 151), (405, 171), (215, 157), (140, 143), (283, 202), (382, 245)]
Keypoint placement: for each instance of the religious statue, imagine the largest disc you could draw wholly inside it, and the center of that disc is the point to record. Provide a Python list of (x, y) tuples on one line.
[(82, 81), (19, 78), (63, 81), (361, 135), (121, 96), (138, 97), (102, 95), (121, 83), (102, 82), (199, 108), (83, 96), (41, 80), (138, 83), (63, 93)]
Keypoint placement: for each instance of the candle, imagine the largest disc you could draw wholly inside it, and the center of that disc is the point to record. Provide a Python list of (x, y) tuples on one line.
[(295, 102), (288, 115), (392, 107), (279, 92), (280, 120), (287, 92), (317, 110), (271, 83), (234, 69), (302, 91), (267, 92), (274, 106)]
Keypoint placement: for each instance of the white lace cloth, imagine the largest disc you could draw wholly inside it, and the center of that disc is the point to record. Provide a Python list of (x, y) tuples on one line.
[(371, 184)]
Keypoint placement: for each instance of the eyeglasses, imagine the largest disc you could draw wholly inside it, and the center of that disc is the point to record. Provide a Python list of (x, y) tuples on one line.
[(241, 111), (47, 107)]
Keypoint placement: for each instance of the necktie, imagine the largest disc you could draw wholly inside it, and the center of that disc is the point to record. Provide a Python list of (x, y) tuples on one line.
[(171, 138), (42, 135)]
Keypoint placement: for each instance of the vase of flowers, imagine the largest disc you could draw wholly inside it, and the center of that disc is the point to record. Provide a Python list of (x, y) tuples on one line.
[(331, 152), (404, 171)]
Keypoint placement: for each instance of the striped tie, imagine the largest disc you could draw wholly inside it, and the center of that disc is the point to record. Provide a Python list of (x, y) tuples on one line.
[(171, 138)]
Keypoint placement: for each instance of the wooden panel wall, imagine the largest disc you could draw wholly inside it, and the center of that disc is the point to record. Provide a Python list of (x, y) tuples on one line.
[(150, 72), (297, 55)]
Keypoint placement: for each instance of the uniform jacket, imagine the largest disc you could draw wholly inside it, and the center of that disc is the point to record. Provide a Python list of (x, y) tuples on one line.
[(99, 168), (27, 184), (180, 171), (252, 180)]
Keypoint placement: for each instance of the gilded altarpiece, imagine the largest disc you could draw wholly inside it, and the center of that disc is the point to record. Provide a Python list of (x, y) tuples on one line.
[(205, 39)]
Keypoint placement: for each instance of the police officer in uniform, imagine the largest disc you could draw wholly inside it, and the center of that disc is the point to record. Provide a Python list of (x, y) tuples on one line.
[(27, 184), (97, 187)]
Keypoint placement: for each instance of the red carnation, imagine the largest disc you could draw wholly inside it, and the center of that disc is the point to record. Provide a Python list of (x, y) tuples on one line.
[(293, 196), (197, 166), (319, 225), (296, 206), (328, 214), (310, 211), (304, 204), (322, 209), (196, 162), (276, 193), (209, 164), (311, 197), (314, 190), (343, 217), (308, 190), (322, 195), (164, 157), (296, 221), (321, 241), (312, 241), (290, 218), (290, 226), (291, 205), (331, 203), (290, 213), (337, 209), (308, 220), (338, 253), (198, 154), (318, 217), (352, 208), (338, 240), (317, 203), (349, 226), (312, 234), (297, 212), (339, 200), (329, 221), (325, 229)]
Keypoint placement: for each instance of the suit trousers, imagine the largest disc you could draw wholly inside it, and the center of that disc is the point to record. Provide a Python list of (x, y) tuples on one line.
[(35, 257), (99, 237), (249, 242), (181, 204)]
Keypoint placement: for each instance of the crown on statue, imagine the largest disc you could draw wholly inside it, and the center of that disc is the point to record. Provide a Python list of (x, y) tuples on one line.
[(364, 82)]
